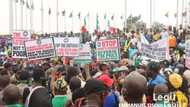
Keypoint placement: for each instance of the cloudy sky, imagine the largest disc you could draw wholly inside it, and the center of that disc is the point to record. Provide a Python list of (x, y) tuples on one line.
[(93, 7)]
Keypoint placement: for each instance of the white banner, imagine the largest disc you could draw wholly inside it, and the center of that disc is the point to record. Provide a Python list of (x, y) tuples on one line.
[(18, 48), (67, 46), (158, 50), (40, 49)]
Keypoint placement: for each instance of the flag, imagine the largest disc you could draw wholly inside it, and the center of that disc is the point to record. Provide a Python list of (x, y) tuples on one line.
[(71, 15), (88, 15), (63, 13), (112, 17), (105, 16), (27, 5), (175, 15), (121, 17), (79, 15), (49, 11), (108, 23), (184, 14), (32, 6), (22, 2), (167, 14), (84, 21), (97, 22)]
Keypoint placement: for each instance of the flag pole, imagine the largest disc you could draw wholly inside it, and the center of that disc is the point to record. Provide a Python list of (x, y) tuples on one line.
[(15, 14), (10, 16), (57, 17), (88, 16), (125, 21), (177, 13), (182, 13), (186, 14), (150, 13), (49, 22), (65, 23), (31, 15), (72, 21), (26, 8), (21, 15), (42, 17)]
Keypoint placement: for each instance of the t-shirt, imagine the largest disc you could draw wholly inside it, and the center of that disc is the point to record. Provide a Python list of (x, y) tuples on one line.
[(14, 105), (159, 79), (59, 100), (111, 100)]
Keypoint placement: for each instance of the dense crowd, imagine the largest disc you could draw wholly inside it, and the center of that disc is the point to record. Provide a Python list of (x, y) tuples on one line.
[(59, 82)]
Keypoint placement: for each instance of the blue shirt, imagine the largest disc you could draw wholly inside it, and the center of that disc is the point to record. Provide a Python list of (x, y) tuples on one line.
[(159, 79), (111, 100)]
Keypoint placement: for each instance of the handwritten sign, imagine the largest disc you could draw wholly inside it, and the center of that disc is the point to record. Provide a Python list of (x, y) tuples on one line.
[(158, 50), (18, 48), (40, 49), (187, 54), (67, 46), (84, 55), (107, 50)]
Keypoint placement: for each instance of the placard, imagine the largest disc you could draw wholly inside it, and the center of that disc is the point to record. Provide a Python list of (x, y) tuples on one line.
[(40, 49), (84, 55), (67, 46), (158, 50), (107, 50), (18, 48)]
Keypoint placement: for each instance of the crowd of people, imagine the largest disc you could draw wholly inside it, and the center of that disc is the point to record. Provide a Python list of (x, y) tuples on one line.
[(130, 82)]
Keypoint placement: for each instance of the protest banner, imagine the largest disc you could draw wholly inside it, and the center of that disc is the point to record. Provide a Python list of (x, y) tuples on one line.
[(187, 54), (18, 48), (158, 50), (107, 50), (40, 49), (67, 46), (84, 55)]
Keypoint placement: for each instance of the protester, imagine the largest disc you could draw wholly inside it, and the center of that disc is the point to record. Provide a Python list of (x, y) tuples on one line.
[(134, 88), (4, 82), (60, 89), (11, 96), (135, 78)]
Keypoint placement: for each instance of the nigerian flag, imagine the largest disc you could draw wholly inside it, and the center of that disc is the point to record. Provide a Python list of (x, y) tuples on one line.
[(108, 23), (85, 21), (97, 22)]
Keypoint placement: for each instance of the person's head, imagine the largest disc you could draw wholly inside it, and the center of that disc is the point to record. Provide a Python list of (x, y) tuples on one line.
[(134, 87), (153, 69), (186, 76), (108, 82), (104, 68), (161, 89), (11, 94), (4, 81), (40, 98), (71, 72), (24, 76), (75, 83), (60, 86), (38, 75), (96, 89), (164, 64)]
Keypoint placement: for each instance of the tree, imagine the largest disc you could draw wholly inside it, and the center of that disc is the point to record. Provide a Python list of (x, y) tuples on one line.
[(157, 27), (135, 22)]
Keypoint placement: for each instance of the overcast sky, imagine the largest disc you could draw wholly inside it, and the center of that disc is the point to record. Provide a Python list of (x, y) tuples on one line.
[(116, 7)]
